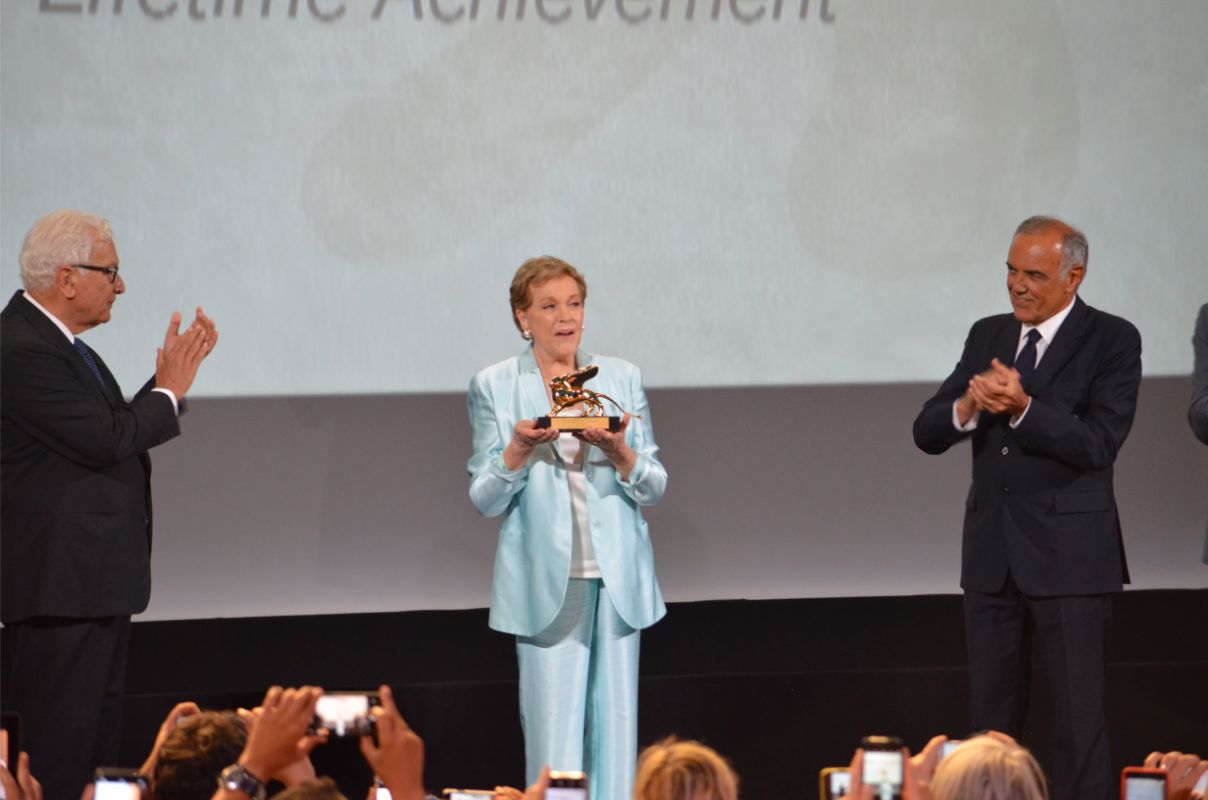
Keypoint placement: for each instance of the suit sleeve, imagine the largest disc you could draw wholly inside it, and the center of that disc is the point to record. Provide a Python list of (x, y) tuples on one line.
[(1197, 415), (44, 395), (648, 479), (1091, 439), (492, 484), (934, 432)]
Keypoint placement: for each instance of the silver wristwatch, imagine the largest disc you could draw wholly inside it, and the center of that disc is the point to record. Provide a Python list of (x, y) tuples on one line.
[(238, 779)]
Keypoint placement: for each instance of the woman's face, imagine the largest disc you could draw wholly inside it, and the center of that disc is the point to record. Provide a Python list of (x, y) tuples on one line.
[(554, 317)]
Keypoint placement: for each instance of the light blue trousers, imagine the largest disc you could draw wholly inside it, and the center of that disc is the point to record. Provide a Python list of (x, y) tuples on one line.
[(579, 693)]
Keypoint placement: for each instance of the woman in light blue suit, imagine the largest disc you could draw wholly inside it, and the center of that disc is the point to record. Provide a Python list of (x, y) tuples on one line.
[(574, 570)]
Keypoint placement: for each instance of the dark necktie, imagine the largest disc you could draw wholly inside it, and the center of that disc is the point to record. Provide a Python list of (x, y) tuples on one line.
[(86, 354), (1025, 362)]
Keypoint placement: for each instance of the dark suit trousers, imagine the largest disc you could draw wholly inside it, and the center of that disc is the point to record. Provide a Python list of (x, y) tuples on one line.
[(1070, 634), (68, 682)]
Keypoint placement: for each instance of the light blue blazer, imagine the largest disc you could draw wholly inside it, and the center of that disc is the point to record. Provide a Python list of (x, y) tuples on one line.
[(532, 562)]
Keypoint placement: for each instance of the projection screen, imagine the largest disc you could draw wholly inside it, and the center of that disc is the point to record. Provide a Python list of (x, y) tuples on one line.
[(785, 210)]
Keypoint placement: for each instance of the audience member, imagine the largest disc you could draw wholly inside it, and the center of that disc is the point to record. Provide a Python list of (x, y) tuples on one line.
[(683, 770), (273, 742), (186, 764), (989, 767)]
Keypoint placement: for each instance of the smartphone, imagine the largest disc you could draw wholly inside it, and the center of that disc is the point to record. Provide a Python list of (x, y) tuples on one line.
[(468, 794), (566, 786), (835, 782), (883, 765), (116, 783), (1140, 783), (346, 713), (380, 792), (947, 747), (10, 722)]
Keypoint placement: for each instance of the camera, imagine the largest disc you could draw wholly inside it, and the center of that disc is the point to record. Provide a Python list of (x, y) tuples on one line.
[(115, 783), (566, 786), (346, 714), (882, 766), (836, 782), (1139, 783)]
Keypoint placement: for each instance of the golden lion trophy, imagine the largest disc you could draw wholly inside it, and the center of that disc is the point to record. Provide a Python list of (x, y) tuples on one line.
[(568, 391)]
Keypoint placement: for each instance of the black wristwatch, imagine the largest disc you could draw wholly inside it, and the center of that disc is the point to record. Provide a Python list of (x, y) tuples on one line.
[(238, 779)]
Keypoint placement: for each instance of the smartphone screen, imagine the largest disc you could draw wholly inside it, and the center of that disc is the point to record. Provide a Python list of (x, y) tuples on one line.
[(1143, 787), (383, 793), (566, 786), (566, 793), (838, 784), (948, 746), (116, 789), (345, 713), (882, 767)]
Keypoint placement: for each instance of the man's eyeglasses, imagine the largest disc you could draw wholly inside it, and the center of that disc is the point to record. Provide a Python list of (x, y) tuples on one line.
[(110, 272)]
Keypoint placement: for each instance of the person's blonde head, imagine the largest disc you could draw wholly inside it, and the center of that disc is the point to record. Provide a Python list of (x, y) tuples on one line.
[(683, 770), (987, 768), (535, 272)]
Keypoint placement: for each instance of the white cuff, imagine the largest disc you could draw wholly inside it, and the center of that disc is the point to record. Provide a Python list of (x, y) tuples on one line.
[(1015, 422), (969, 426)]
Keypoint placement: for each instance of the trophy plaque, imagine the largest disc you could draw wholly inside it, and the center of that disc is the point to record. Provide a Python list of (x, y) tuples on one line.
[(567, 392)]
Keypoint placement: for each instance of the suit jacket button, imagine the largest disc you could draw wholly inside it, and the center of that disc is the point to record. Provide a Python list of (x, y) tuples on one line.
[(1006, 490), (1005, 451)]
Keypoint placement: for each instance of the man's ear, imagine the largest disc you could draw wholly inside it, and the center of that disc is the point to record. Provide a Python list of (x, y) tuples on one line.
[(65, 282), (1076, 273)]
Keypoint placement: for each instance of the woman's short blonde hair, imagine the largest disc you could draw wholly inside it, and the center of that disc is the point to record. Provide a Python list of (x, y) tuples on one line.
[(535, 272), (986, 768), (683, 770)]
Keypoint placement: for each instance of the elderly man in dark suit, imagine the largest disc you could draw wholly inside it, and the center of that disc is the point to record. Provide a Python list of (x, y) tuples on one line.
[(1047, 396), (75, 495)]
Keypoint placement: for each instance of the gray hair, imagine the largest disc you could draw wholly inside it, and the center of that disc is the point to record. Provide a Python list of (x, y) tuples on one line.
[(989, 769), (1074, 249), (61, 237)]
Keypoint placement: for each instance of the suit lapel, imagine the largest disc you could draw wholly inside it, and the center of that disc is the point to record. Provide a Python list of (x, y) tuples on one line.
[(1007, 341), (48, 331), (533, 401), (112, 392), (1065, 344)]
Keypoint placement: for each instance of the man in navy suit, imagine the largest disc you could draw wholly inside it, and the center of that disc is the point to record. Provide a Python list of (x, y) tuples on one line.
[(1047, 396), (75, 495)]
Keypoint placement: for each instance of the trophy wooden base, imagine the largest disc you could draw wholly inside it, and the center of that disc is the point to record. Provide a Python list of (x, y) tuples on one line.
[(611, 424)]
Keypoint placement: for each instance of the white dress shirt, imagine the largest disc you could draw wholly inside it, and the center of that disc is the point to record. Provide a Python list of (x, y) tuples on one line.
[(1048, 329)]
